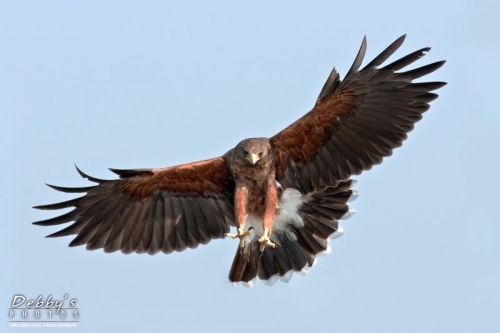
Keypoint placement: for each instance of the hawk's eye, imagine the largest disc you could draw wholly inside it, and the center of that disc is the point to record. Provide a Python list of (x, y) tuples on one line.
[(245, 152), (260, 154)]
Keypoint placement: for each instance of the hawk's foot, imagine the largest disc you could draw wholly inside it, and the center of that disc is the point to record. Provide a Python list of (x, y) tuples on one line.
[(241, 234), (264, 240)]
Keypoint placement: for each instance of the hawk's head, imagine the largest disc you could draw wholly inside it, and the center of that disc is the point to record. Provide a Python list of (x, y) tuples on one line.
[(254, 150)]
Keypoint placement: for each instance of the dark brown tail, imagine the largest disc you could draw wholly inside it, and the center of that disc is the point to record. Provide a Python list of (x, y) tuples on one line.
[(320, 213), (246, 263)]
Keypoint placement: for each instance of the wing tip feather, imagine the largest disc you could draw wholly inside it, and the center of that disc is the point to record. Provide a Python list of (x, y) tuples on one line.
[(92, 179), (127, 173), (71, 189), (359, 58)]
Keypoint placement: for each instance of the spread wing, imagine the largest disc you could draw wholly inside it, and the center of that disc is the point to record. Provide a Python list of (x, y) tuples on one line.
[(150, 210), (355, 122)]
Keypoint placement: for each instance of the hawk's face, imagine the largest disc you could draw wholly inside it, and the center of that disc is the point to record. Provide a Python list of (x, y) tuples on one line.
[(255, 150)]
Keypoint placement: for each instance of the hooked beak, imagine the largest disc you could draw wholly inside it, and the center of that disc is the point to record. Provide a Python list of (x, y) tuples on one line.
[(253, 158)]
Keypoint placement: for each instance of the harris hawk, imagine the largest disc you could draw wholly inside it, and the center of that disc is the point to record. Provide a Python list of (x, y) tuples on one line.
[(284, 194)]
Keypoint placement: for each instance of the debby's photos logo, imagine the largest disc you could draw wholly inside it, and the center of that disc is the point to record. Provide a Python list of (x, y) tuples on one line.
[(43, 311)]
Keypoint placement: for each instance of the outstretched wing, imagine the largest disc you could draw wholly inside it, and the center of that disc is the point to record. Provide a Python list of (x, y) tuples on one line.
[(150, 210), (355, 122)]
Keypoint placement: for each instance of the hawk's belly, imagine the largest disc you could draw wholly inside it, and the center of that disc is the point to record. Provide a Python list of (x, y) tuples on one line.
[(256, 196), (286, 217)]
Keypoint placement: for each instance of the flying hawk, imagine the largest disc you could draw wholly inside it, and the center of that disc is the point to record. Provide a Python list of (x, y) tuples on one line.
[(284, 194)]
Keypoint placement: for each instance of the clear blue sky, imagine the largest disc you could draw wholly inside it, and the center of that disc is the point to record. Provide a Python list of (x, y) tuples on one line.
[(126, 84)]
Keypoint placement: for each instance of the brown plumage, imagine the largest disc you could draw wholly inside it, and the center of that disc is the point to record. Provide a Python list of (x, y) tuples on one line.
[(285, 194), (254, 178)]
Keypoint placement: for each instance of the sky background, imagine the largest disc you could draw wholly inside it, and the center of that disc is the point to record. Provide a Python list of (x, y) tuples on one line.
[(126, 84)]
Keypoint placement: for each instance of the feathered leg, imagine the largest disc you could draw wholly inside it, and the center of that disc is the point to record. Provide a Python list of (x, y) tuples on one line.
[(240, 210), (269, 213)]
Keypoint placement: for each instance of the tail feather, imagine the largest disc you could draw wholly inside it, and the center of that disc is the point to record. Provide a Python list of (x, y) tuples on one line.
[(320, 213), (289, 256), (246, 263)]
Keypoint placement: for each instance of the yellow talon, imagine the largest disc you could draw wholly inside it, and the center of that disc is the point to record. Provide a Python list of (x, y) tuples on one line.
[(241, 234), (264, 240)]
